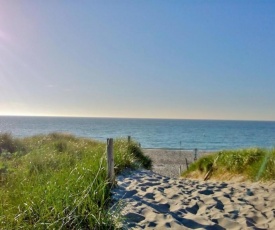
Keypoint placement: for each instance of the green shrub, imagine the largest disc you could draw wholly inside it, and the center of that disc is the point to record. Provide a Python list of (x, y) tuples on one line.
[(239, 160), (253, 163), (60, 146), (61, 182), (145, 161), (9, 144), (205, 164)]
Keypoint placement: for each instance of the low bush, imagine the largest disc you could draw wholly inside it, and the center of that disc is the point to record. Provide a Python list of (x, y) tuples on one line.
[(60, 182), (9, 144), (254, 164)]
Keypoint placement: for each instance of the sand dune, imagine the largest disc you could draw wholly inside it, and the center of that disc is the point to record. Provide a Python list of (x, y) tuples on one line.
[(158, 199), (154, 201)]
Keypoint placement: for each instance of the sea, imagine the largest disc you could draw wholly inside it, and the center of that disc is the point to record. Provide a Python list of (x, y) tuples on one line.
[(152, 133)]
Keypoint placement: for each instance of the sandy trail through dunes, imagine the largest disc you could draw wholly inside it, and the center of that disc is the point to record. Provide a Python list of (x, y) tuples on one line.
[(157, 199), (153, 201)]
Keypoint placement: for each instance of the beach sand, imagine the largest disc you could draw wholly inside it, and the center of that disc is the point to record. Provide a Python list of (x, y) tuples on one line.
[(152, 200), (168, 162)]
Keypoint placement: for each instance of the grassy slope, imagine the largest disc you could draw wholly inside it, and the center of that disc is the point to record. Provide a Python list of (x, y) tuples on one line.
[(58, 181), (252, 164)]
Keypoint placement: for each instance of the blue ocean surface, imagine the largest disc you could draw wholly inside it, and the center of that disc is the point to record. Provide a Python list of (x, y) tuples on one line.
[(152, 133)]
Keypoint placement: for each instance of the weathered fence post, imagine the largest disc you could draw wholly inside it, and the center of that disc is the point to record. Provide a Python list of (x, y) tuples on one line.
[(110, 161), (180, 150), (195, 154), (180, 171), (129, 139), (186, 163)]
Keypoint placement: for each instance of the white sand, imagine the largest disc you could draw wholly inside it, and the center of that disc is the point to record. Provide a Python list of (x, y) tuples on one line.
[(152, 201)]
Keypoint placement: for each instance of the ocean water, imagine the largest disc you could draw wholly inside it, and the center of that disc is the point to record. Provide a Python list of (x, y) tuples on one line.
[(152, 133)]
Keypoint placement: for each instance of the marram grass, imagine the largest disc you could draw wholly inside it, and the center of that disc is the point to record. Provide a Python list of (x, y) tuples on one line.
[(253, 164), (58, 181)]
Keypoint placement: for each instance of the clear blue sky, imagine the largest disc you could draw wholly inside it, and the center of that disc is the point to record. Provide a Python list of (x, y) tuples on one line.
[(144, 59)]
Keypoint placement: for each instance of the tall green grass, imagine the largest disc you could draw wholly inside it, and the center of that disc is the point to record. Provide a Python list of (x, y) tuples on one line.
[(254, 164), (58, 181)]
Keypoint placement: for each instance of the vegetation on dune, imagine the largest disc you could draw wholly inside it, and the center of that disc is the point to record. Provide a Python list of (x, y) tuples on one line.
[(8, 144), (58, 181), (254, 164)]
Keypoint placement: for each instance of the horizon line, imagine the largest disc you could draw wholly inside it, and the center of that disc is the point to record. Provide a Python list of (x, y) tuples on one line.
[(137, 118)]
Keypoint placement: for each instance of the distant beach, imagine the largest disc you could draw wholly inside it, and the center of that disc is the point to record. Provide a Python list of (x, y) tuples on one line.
[(169, 162)]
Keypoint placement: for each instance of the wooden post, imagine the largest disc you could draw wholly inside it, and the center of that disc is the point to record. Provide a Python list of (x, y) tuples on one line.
[(129, 139), (195, 154), (180, 150), (110, 161), (208, 174), (186, 163), (180, 171), (139, 145)]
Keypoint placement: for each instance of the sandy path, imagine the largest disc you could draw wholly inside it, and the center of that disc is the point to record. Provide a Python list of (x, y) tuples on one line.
[(153, 201)]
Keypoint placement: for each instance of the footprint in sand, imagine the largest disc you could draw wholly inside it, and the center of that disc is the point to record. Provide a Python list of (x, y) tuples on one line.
[(156, 202)]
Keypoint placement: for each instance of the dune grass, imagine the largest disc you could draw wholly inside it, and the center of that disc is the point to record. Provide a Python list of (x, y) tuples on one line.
[(254, 164), (58, 181)]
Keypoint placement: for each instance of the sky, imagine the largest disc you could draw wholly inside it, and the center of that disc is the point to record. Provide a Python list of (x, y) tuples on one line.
[(138, 59)]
